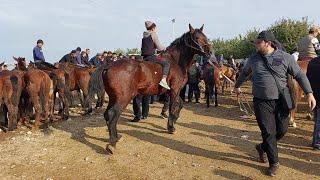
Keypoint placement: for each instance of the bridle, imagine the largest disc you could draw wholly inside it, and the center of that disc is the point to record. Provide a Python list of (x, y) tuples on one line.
[(198, 47)]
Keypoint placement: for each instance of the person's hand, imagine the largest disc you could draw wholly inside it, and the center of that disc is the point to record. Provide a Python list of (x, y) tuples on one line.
[(311, 101), (237, 91)]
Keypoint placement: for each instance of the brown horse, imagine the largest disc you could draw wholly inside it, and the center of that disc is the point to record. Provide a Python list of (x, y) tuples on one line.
[(11, 85), (229, 74), (293, 84), (61, 86), (39, 91), (78, 79), (124, 79), (211, 76)]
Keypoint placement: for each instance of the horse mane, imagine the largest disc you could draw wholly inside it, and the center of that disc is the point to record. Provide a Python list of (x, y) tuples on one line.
[(184, 50), (45, 65)]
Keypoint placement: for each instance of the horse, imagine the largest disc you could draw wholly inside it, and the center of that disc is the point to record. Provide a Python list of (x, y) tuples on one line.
[(78, 79), (296, 89), (229, 76), (11, 85), (124, 79), (211, 76), (38, 91), (61, 86), (100, 92)]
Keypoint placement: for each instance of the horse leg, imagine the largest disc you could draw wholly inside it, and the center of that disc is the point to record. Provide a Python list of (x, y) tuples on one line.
[(216, 95), (37, 107), (207, 94), (12, 116), (111, 116), (175, 108), (298, 95)]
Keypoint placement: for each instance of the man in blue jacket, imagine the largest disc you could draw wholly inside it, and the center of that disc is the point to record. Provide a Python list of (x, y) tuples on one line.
[(37, 52)]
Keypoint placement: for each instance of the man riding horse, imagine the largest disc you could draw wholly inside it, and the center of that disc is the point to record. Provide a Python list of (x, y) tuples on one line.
[(309, 47), (151, 43)]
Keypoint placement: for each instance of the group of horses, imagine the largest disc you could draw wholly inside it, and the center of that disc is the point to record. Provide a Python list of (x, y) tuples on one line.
[(31, 92)]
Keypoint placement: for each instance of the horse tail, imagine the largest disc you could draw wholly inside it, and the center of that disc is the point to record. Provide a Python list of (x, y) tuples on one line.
[(14, 82), (96, 85)]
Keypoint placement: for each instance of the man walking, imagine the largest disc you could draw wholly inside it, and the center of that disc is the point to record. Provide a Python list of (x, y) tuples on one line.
[(272, 102)]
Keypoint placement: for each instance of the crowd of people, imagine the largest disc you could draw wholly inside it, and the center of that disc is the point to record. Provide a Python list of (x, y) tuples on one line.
[(79, 57)]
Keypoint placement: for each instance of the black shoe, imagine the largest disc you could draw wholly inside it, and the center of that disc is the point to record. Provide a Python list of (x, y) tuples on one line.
[(272, 170), (135, 119), (262, 154), (164, 115), (316, 148), (144, 117)]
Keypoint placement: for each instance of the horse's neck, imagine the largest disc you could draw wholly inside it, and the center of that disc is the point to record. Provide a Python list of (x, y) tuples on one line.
[(181, 57)]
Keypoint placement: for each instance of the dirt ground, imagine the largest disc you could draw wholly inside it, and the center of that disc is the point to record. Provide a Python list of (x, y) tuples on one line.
[(210, 143)]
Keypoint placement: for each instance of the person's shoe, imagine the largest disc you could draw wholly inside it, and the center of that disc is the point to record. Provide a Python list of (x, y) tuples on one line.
[(164, 83), (135, 119), (164, 115), (316, 148), (272, 170), (262, 154), (144, 117), (189, 101)]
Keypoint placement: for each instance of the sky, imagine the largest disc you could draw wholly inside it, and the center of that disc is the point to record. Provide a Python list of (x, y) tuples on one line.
[(110, 24)]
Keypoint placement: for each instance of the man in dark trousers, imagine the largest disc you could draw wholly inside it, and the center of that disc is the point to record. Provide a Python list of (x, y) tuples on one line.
[(37, 52), (313, 74), (270, 68), (194, 74)]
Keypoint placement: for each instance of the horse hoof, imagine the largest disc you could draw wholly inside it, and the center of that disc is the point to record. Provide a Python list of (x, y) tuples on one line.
[(110, 148), (309, 117), (171, 131)]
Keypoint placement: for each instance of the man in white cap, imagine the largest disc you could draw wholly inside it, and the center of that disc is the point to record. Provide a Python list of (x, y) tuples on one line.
[(151, 43)]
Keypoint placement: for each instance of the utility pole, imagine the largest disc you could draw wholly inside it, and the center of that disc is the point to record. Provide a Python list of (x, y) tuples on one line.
[(173, 22)]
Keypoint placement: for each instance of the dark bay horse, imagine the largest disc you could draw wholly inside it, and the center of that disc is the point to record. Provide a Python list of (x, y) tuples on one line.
[(61, 86), (38, 92), (211, 76), (11, 85), (78, 79), (124, 79), (293, 84)]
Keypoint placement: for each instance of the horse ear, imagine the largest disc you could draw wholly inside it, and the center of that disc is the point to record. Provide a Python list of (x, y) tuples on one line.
[(201, 29), (15, 58), (191, 29)]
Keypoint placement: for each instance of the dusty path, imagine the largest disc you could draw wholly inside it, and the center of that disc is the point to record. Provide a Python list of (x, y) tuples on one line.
[(212, 143)]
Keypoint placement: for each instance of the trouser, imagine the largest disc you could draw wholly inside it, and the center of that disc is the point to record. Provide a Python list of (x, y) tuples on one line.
[(273, 123), (316, 131), (194, 88), (165, 64), (183, 93), (138, 102)]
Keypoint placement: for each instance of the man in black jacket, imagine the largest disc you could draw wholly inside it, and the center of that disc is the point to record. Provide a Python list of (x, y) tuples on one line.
[(313, 73), (270, 109), (70, 58)]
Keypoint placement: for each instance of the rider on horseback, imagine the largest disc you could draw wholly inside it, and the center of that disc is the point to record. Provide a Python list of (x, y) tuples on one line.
[(151, 43)]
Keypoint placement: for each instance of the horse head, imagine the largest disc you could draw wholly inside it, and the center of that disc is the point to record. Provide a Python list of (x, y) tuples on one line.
[(21, 63), (199, 42)]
